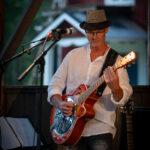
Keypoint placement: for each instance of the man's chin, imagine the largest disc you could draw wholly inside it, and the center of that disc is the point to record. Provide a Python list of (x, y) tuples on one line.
[(95, 45)]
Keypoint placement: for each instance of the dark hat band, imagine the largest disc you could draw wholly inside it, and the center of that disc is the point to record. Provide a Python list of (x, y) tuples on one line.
[(94, 26)]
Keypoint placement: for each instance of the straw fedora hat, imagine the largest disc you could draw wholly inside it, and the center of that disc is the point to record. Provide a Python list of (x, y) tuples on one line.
[(95, 19)]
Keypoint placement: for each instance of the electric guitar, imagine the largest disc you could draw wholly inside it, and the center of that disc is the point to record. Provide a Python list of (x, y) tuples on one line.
[(67, 130)]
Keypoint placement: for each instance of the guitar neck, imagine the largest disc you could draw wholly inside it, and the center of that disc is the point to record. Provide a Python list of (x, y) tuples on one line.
[(91, 89)]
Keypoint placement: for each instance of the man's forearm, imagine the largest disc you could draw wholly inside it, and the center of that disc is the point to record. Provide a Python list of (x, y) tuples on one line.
[(56, 99), (117, 94)]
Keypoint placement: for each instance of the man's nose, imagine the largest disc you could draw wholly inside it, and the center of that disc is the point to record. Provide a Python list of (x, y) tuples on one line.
[(93, 35)]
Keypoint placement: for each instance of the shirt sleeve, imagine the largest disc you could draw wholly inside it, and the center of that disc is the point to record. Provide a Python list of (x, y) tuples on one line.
[(125, 85), (58, 81)]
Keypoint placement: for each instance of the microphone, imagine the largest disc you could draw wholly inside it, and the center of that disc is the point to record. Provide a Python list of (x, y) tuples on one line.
[(56, 32), (68, 31)]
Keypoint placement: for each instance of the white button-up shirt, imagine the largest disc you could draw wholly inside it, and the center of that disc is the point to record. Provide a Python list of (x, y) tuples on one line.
[(76, 69)]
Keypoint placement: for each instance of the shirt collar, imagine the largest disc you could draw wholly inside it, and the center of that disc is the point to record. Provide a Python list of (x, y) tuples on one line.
[(100, 58)]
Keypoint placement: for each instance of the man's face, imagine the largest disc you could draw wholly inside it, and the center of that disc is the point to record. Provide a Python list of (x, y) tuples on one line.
[(96, 37)]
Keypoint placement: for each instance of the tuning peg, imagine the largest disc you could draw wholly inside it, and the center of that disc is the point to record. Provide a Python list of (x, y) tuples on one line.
[(129, 65), (133, 62)]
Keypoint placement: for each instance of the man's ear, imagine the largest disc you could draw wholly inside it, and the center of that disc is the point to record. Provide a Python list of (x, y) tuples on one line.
[(106, 30)]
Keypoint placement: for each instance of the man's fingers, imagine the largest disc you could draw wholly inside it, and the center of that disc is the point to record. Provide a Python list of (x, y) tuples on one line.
[(67, 108)]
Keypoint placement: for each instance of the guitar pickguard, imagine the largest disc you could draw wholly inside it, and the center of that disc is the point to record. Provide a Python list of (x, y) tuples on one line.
[(62, 123)]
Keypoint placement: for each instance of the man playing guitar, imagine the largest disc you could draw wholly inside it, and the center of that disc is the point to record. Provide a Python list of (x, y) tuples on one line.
[(83, 65)]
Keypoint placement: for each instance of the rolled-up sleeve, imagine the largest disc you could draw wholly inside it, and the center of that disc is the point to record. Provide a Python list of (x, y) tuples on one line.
[(58, 81), (125, 85)]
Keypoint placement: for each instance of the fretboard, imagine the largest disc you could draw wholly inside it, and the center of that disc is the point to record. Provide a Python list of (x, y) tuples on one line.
[(90, 90)]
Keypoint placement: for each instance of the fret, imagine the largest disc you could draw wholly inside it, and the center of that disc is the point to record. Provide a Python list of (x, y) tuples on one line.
[(128, 109), (91, 89), (130, 142)]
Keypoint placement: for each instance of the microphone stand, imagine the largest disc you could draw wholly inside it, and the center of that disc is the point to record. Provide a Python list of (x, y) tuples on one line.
[(40, 60), (36, 61), (3, 62)]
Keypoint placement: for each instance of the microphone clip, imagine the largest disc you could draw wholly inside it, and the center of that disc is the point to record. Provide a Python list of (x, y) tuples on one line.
[(56, 34)]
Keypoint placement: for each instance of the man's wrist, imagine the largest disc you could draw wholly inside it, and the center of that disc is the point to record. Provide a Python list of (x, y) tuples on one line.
[(56, 100), (117, 94)]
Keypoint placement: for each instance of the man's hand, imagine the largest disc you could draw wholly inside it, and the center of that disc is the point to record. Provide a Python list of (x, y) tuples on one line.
[(66, 107), (112, 80)]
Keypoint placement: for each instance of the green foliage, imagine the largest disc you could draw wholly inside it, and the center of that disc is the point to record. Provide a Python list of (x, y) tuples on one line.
[(14, 10)]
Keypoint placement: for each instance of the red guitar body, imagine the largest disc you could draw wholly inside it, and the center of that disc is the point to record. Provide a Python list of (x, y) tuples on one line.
[(84, 112)]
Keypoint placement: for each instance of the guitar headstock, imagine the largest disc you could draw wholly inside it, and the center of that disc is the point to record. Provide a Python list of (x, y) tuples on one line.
[(130, 57)]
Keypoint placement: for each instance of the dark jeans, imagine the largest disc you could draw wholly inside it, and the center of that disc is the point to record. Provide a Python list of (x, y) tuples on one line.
[(96, 142)]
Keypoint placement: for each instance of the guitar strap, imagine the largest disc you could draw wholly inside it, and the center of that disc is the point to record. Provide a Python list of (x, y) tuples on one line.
[(109, 61)]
